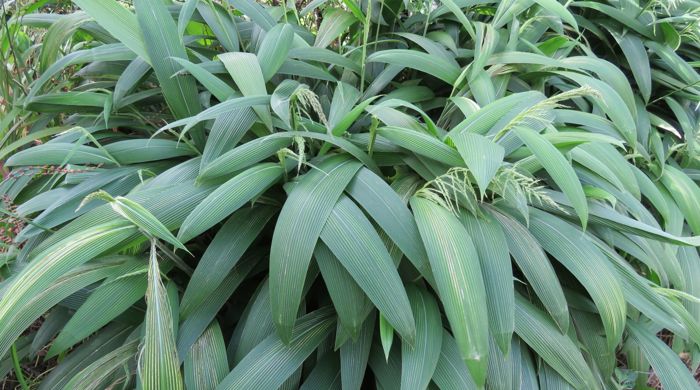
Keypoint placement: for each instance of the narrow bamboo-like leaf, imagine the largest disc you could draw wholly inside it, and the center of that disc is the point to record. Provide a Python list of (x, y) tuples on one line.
[(255, 11), (269, 364), (386, 335), (561, 171), (423, 144), (325, 375), (185, 15), (228, 198), (103, 305), (492, 249), (298, 227), (556, 8), (195, 320), (159, 366), (686, 194), (213, 84), (455, 263), (143, 150), (94, 375), (344, 124), (638, 60), (418, 362), (221, 23), (244, 156), (22, 317), (206, 364), (353, 240)]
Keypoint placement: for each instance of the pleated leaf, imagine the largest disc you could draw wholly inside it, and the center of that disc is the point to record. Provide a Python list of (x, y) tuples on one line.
[(159, 366), (272, 361), (298, 227), (206, 364), (418, 361), (228, 198), (561, 171), (482, 156), (459, 280), (492, 249), (358, 247)]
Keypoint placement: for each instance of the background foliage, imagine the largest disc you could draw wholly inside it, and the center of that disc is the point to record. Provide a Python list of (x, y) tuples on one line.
[(456, 194)]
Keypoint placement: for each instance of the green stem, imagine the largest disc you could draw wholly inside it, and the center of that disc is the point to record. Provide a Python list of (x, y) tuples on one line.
[(18, 369), (365, 36)]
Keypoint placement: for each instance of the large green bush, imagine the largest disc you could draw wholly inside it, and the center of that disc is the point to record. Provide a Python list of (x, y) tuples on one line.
[(457, 194)]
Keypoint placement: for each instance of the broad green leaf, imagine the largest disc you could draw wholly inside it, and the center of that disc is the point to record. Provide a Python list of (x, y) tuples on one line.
[(350, 302), (104, 304), (270, 363), (418, 362), (247, 73), (556, 165), (389, 211), (139, 216), (213, 84), (482, 156), (358, 247), (555, 348), (163, 43), (205, 364), (354, 355), (224, 252), (459, 280), (274, 48), (423, 144), (638, 60), (55, 261), (686, 194), (118, 21), (492, 249), (62, 288), (420, 61), (96, 374), (535, 265), (334, 23), (59, 154), (221, 23), (582, 258), (450, 371), (298, 227), (228, 198), (671, 371)]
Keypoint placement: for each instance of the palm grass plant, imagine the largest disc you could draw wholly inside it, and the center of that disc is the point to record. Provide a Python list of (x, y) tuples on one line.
[(338, 194)]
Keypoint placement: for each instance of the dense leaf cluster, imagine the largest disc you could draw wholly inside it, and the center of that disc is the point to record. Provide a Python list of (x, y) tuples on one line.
[(451, 194)]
